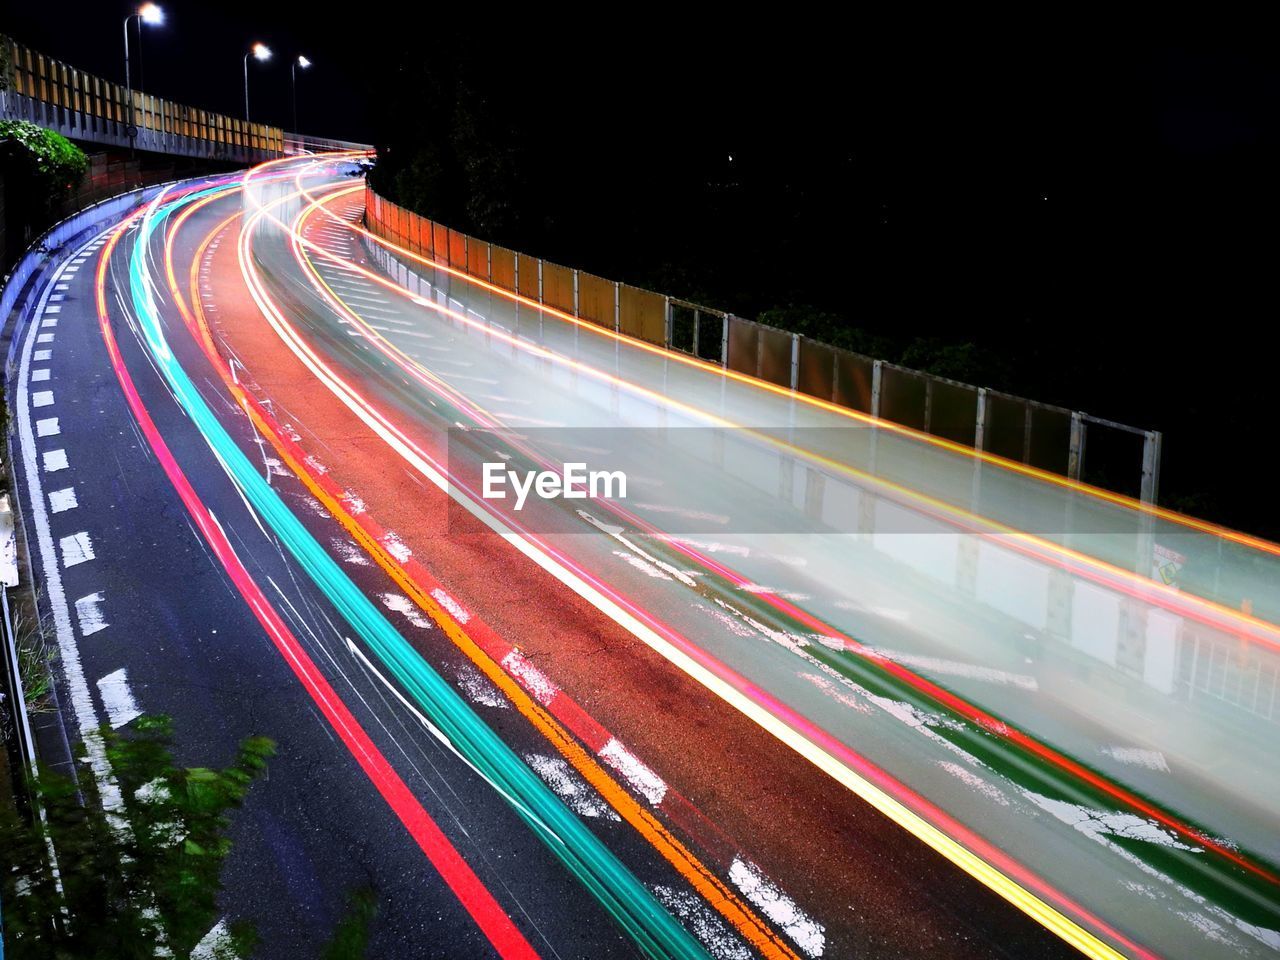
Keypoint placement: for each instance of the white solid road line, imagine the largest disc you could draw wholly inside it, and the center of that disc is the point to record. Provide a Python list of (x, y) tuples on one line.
[(78, 694)]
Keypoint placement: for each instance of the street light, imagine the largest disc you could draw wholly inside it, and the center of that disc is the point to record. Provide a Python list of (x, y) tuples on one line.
[(261, 52), (302, 62), (148, 13)]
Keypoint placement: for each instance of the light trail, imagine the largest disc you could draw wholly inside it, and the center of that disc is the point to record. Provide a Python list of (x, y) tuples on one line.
[(895, 800), (719, 896), (453, 869), (634, 908), (934, 692)]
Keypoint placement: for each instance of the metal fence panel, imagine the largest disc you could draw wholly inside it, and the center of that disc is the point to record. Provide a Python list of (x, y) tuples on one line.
[(775, 356), (903, 396), (440, 242), (682, 328), (596, 300), (854, 374), (457, 250), (1006, 430), (557, 286), (710, 344), (744, 351), (1050, 438), (503, 267), (642, 314), (817, 375), (477, 258), (528, 276), (953, 412)]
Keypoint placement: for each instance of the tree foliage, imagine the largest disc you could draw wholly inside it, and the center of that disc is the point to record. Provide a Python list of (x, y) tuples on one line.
[(138, 861), (52, 164)]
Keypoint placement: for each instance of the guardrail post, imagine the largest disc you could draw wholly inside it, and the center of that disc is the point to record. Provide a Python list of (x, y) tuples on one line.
[(928, 404), (617, 307), (697, 322), (1151, 466), (666, 322), (576, 311), (539, 281), (877, 375), (724, 341), (1075, 452), (980, 426), (795, 360)]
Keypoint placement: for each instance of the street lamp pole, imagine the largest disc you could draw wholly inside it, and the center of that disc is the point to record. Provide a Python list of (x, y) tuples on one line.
[(259, 51), (147, 13), (302, 62)]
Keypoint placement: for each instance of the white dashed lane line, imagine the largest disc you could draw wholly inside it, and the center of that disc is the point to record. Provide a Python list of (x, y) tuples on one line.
[(89, 613), (62, 500), (47, 427), (118, 699), (55, 460), (76, 549)]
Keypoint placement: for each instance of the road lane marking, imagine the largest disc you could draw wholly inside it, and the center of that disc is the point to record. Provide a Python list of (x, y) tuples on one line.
[(62, 500), (42, 398), (38, 376), (55, 460), (48, 427), (117, 699), (89, 613), (43, 354), (76, 549), (77, 686)]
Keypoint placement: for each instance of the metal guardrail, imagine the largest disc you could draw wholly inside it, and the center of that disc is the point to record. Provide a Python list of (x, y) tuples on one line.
[(1014, 428), (297, 143)]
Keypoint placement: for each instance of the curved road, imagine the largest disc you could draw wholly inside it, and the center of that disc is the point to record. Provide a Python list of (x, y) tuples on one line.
[(811, 688)]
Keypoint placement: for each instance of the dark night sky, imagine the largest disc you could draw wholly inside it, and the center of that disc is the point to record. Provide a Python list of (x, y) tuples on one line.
[(1097, 201)]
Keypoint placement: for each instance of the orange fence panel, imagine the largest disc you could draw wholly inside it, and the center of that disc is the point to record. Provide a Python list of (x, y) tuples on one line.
[(477, 258), (457, 250), (503, 266), (642, 314), (528, 276), (557, 286), (596, 299), (440, 242)]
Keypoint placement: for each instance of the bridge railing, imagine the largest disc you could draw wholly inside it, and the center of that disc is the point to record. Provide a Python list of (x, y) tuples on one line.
[(82, 106), (1014, 428)]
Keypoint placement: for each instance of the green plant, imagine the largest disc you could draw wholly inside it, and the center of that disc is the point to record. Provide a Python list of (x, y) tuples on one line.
[(137, 868), (52, 163)]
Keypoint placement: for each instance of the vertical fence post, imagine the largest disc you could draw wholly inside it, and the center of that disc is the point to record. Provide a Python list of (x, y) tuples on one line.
[(576, 311), (1151, 466), (539, 280), (877, 368), (666, 322), (697, 321), (980, 427), (795, 360), (724, 341), (1075, 452), (928, 404), (617, 307)]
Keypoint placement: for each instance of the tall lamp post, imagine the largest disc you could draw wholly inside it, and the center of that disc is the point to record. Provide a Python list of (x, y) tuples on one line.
[(261, 52), (302, 62), (153, 15)]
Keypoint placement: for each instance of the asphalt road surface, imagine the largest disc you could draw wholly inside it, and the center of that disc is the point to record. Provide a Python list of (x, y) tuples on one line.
[(810, 688)]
